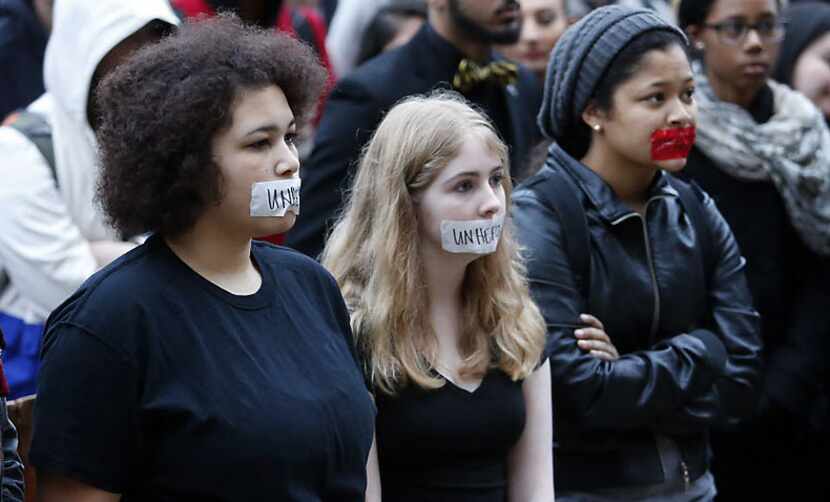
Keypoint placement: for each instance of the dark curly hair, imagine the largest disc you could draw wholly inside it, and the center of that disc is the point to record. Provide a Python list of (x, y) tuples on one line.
[(162, 108)]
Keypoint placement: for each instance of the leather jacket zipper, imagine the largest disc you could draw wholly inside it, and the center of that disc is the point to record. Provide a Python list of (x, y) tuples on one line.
[(655, 323), (673, 465), (655, 319), (664, 444), (684, 470)]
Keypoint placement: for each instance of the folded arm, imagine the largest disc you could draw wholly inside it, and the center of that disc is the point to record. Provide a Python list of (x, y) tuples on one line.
[(631, 391)]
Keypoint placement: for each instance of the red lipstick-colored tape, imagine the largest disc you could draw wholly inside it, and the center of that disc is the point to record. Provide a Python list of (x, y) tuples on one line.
[(671, 144)]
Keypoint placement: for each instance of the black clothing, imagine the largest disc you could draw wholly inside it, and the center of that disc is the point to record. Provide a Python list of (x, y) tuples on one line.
[(358, 103), (449, 445), (790, 286), (11, 468), (689, 357), (22, 45), (160, 385)]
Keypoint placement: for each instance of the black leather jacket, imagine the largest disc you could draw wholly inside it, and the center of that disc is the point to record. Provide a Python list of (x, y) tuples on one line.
[(689, 357)]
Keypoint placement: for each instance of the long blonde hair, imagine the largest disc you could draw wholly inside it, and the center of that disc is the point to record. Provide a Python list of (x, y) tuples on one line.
[(374, 254)]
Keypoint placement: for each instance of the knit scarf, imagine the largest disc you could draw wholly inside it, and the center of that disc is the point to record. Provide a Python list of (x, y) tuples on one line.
[(792, 150)]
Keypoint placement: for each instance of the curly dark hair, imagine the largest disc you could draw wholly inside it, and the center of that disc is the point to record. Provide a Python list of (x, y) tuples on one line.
[(162, 108)]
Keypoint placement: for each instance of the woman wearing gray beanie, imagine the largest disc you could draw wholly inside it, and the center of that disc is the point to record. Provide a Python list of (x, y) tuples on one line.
[(671, 346)]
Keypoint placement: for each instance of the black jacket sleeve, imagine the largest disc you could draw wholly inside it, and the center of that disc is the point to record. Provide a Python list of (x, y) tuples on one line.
[(736, 323), (631, 391), (350, 116), (12, 474)]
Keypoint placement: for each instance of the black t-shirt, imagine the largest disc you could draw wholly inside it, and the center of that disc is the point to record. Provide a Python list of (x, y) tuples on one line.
[(449, 445), (159, 385)]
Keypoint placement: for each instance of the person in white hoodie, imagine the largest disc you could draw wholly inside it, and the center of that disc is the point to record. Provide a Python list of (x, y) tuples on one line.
[(52, 234)]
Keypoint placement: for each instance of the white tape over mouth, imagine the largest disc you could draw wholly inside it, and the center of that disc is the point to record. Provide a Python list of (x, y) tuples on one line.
[(471, 236), (275, 198)]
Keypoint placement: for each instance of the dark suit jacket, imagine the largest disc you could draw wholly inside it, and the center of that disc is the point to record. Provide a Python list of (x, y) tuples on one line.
[(358, 103)]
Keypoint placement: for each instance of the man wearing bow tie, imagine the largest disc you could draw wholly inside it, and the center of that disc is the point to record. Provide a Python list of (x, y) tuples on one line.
[(454, 50)]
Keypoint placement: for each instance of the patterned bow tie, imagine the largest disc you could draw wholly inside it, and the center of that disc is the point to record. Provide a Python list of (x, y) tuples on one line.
[(470, 74)]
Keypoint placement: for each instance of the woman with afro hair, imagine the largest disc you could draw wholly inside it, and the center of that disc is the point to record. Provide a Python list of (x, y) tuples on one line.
[(204, 365)]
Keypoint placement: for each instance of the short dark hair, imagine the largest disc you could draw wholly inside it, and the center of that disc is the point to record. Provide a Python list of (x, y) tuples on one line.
[(161, 110), (624, 65), (385, 25), (695, 12)]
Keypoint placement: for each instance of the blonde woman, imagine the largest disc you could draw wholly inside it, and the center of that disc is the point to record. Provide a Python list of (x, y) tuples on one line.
[(451, 340)]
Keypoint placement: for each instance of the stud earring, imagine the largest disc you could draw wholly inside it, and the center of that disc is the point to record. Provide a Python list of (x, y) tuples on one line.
[(699, 46), (597, 127)]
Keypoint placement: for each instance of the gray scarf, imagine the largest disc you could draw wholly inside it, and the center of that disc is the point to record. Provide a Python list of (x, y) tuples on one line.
[(792, 150)]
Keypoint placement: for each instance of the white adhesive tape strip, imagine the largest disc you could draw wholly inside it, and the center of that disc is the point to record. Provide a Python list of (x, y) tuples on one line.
[(275, 198), (471, 236)]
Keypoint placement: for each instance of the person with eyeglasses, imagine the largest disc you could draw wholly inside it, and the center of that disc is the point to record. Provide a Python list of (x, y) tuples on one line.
[(763, 153)]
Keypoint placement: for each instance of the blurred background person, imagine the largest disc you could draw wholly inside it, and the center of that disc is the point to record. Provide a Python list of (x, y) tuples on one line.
[(393, 26), (763, 153), (304, 22), (24, 29), (804, 58), (53, 235), (543, 22)]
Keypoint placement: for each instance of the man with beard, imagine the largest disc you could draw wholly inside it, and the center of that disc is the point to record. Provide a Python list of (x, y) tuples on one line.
[(453, 50)]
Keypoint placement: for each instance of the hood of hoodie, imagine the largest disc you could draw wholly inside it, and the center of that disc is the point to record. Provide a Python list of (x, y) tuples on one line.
[(83, 32)]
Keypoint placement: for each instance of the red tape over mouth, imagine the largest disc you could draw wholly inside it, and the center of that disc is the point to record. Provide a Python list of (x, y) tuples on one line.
[(671, 144)]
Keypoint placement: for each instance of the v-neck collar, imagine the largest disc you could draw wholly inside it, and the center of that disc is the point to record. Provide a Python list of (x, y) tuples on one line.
[(458, 387)]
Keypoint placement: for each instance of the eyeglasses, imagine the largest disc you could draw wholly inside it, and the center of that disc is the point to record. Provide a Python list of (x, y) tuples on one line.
[(733, 32)]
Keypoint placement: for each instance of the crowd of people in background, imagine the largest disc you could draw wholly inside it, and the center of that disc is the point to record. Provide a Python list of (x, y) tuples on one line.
[(414, 250)]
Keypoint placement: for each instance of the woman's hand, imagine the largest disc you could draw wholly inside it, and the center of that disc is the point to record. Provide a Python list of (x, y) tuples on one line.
[(594, 340)]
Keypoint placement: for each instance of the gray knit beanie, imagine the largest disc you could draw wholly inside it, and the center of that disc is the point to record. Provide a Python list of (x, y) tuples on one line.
[(581, 57)]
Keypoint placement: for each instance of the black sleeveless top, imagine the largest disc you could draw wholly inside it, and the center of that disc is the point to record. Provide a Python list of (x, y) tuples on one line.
[(449, 445)]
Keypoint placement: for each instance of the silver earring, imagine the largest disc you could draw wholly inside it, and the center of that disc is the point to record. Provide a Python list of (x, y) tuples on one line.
[(597, 127), (699, 46)]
